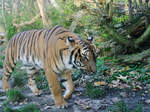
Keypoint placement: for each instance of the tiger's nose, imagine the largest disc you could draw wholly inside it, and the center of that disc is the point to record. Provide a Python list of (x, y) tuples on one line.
[(94, 70)]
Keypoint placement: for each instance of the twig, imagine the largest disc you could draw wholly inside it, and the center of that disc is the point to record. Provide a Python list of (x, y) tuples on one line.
[(18, 26)]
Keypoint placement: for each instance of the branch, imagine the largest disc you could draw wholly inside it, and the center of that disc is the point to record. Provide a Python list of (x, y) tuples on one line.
[(18, 26), (46, 23), (134, 57), (117, 37), (134, 27), (76, 18), (144, 37)]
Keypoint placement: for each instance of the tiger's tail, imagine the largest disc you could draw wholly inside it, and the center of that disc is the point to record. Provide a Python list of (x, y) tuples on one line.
[(8, 66)]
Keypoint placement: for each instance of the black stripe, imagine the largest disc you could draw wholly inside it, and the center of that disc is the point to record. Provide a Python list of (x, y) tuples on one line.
[(7, 68), (63, 80), (28, 46), (85, 48), (20, 43), (55, 72), (61, 53), (75, 57), (40, 32), (79, 51), (32, 37), (62, 32), (53, 31), (72, 52), (25, 41), (34, 42), (47, 32), (57, 66)]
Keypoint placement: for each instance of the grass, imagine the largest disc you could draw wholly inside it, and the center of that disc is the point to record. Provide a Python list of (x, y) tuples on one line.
[(19, 76), (41, 80), (14, 95), (1, 64), (121, 106), (2, 61), (94, 92), (27, 108)]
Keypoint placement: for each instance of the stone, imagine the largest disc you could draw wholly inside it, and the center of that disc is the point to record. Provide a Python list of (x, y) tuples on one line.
[(147, 101), (123, 94), (115, 99)]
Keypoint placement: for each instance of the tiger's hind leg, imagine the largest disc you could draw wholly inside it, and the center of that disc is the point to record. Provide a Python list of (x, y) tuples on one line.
[(68, 84), (8, 69), (5, 78), (31, 80)]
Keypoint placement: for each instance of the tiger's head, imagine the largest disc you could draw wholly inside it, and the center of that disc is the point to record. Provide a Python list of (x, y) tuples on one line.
[(83, 54)]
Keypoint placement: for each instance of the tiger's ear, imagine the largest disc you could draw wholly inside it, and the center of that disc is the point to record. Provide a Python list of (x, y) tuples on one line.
[(70, 42), (90, 39)]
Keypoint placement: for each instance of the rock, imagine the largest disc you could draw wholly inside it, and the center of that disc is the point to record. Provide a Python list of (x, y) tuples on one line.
[(148, 86), (3, 98), (96, 104), (89, 78), (115, 99), (0, 84), (146, 92), (142, 98), (147, 101), (76, 108), (47, 107), (123, 94)]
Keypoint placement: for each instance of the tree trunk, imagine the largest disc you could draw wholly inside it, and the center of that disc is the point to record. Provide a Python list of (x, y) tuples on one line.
[(46, 23), (146, 3), (130, 10)]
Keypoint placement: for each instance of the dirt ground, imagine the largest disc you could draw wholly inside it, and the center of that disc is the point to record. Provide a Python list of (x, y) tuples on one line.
[(80, 103)]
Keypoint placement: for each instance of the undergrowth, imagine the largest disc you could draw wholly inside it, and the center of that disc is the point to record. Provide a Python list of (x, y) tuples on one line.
[(121, 106), (14, 95)]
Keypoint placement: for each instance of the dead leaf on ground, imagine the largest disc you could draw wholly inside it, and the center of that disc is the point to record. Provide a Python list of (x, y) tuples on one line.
[(122, 77), (99, 83), (85, 104)]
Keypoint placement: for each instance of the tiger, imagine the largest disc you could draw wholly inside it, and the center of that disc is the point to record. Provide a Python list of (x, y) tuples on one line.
[(57, 51)]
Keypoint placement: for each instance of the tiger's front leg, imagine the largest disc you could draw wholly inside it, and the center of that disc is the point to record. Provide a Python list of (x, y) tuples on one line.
[(55, 89), (68, 84)]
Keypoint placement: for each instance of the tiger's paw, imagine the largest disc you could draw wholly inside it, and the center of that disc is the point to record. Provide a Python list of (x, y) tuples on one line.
[(37, 92), (5, 86), (67, 96), (62, 104)]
